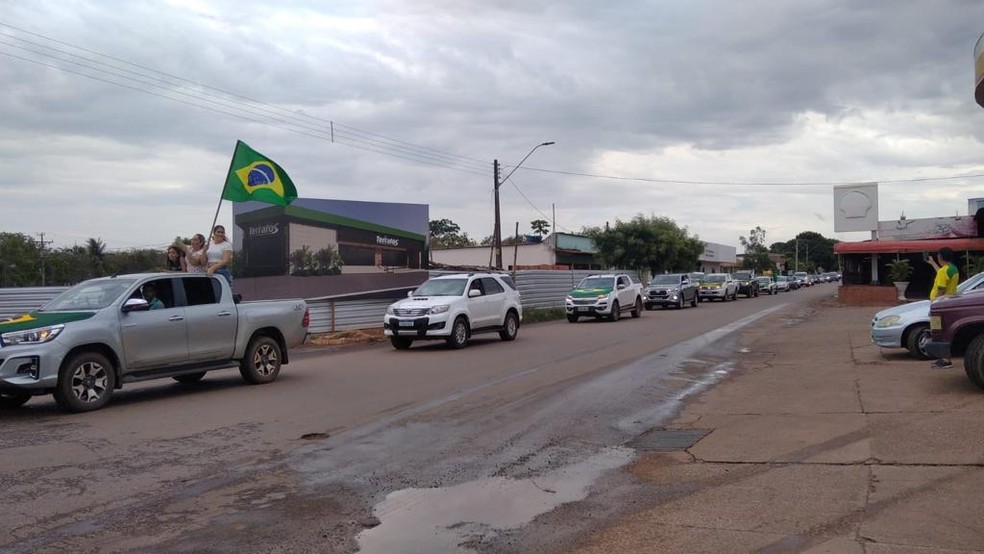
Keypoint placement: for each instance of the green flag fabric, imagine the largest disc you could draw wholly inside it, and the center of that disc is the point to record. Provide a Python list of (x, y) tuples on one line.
[(253, 176)]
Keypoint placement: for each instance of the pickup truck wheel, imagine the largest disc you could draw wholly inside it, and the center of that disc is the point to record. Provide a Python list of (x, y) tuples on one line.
[(262, 361), (11, 400), (510, 327), (974, 361), (401, 343), (637, 310), (572, 318), (459, 334), (916, 342), (189, 378), (693, 301), (616, 312), (85, 382)]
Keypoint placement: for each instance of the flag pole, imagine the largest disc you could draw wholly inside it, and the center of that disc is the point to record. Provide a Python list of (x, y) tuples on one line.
[(215, 219)]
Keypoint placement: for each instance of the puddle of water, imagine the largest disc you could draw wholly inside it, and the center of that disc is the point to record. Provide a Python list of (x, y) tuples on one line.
[(441, 519)]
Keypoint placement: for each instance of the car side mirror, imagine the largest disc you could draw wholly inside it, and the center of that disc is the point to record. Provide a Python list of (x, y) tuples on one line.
[(409, 293), (472, 293), (135, 305), (621, 286)]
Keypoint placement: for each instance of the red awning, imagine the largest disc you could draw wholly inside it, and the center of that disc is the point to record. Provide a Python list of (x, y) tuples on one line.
[(909, 246)]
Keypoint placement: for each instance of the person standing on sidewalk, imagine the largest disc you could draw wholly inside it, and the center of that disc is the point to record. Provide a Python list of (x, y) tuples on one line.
[(946, 283)]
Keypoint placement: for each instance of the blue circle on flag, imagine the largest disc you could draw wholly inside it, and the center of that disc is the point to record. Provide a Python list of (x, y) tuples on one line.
[(261, 174)]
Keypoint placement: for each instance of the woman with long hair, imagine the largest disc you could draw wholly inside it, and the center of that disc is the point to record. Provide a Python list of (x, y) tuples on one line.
[(197, 260), (175, 259), (219, 254)]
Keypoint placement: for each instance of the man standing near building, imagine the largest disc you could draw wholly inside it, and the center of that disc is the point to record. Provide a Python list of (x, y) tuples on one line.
[(946, 283)]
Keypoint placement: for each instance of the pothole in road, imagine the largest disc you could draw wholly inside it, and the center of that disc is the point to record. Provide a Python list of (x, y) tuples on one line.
[(443, 519)]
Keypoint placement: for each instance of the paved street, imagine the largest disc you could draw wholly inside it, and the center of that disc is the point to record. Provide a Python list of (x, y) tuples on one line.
[(523, 446)]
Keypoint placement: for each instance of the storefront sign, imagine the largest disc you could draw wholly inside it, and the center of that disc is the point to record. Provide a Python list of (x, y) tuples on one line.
[(264, 230), (387, 241)]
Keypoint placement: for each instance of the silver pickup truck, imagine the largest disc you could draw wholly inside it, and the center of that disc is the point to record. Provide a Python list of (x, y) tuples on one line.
[(102, 333)]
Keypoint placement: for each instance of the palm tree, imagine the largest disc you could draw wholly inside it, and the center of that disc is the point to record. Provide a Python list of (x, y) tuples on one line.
[(95, 249)]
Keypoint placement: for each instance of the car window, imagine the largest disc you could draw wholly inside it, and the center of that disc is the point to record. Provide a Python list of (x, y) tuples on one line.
[(442, 287), (623, 281), (508, 281), (161, 289), (199, 291), (477, 285), (492, 286)]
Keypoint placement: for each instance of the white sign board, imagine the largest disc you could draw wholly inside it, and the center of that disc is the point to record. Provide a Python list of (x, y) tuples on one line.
[(928, 228), (856, 207)]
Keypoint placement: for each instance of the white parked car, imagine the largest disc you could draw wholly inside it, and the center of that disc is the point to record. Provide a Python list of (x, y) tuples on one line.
[(453, 308), (907, 326), (718, 285)]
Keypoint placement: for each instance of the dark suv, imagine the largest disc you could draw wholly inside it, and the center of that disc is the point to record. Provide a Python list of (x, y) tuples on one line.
[(673, 289), (747, 284)]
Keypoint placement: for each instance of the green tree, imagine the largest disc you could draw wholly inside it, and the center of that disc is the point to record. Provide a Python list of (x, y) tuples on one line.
[(540, 226), (815, 251), (19, 261), (652, 242), (756, 254), (447, 234)]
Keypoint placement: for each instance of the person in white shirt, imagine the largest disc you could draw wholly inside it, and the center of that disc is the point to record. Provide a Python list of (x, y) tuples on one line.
[(219, 254)]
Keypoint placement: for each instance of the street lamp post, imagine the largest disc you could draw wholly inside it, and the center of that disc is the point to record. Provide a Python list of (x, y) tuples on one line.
[(497, 233)]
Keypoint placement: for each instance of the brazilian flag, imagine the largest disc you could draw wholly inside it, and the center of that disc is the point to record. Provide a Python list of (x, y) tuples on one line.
[(253, 176)]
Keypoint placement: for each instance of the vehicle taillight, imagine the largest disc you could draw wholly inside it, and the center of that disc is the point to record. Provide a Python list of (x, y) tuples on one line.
[(307, 318)]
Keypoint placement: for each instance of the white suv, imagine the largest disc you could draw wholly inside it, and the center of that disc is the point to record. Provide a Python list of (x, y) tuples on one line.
[(453, 308)]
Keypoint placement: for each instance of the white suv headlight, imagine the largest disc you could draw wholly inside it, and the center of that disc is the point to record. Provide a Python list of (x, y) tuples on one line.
[(390, 310), (33, 336), (439, 309)]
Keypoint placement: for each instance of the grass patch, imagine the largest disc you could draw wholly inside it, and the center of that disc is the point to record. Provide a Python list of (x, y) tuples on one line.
[(543, 314)]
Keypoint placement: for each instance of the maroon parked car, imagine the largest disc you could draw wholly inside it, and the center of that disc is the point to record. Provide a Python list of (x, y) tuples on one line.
[(956, 326)]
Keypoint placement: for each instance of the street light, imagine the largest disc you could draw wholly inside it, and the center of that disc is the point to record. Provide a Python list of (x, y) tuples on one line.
[(497, 234)]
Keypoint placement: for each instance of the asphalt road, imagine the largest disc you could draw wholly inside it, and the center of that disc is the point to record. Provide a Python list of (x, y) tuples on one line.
[(428, 450)]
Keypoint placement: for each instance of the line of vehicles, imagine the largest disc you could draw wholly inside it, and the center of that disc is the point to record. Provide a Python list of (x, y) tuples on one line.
[(103, 333)]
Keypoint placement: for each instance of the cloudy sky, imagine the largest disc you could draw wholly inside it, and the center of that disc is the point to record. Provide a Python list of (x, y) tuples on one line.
[(118, 118)]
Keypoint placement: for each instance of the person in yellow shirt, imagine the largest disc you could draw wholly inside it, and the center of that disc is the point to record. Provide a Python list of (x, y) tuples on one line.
[(945, 283)]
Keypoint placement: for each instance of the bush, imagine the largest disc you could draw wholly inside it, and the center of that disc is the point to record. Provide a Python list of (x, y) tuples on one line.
[(535, 315)]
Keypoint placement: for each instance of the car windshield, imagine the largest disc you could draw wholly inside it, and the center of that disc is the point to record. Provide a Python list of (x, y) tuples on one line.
[(666, 280), (743, 275), (970, 284), (442, 287), (597, 283), (92, 295), (763, 280), (714, 278), (801, 274)]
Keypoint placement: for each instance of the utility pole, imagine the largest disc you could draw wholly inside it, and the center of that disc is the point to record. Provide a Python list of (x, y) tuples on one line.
[(496, 231), (796, 266), (42, 250), (497, 237)]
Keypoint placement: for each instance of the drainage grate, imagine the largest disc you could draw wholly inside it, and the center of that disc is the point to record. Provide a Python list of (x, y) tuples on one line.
[(668, 440)]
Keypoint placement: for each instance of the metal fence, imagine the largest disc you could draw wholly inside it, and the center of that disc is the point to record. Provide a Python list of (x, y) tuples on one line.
[(538, 289)]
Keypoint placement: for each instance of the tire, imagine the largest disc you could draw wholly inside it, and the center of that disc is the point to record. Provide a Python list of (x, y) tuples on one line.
[(756, 293), (85, 382), (916, 342), (401, 343), (190, 378), (459, 334), (637, 310), (510, 327), (693, 301), (679, 304), (572, 318), (12, 400), (974, 361), (726, 298), (616, 312), (261, 364)]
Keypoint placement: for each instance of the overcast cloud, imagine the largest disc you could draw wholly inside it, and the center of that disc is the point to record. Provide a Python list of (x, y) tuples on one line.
[(711, 91)]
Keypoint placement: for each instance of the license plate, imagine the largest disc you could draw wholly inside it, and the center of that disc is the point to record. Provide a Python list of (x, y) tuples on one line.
[(584, 309), (406, 323), (935, 323)]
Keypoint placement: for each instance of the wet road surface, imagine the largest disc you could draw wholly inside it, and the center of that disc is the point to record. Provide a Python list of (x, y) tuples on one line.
[(427, 450)]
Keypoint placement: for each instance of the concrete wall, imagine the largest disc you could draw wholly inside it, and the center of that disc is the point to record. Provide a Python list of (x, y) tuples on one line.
[(478, 256)]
